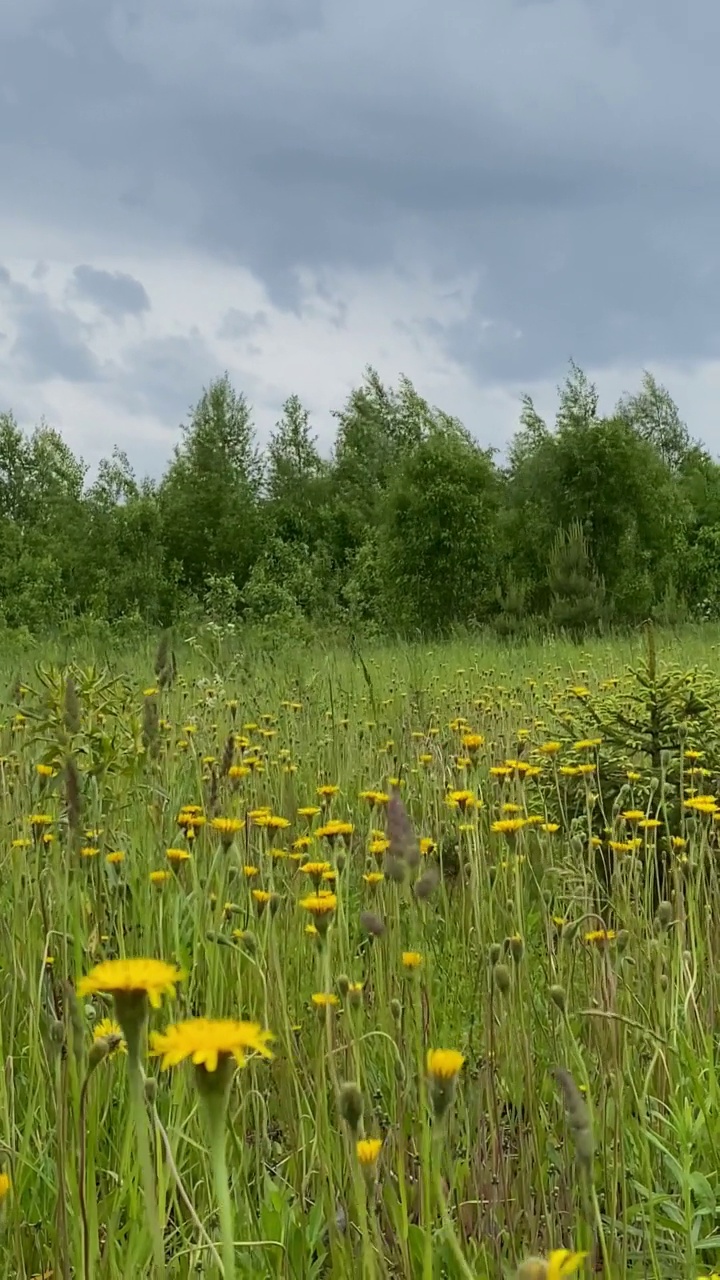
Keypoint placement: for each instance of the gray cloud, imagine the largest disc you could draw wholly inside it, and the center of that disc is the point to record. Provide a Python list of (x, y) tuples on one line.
[(561, 151), (50, 341), (165, 376), (241, 324), (115, 293)]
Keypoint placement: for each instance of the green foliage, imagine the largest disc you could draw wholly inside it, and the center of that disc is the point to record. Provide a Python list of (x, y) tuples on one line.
[(408, 525), (578, 595)]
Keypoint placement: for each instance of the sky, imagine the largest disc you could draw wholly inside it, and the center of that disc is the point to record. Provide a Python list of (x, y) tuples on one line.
[(469, 192)]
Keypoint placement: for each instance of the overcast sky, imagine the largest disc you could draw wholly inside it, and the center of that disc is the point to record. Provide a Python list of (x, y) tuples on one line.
[(466, 191)]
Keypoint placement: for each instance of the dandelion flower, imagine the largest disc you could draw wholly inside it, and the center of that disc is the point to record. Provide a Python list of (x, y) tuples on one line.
[(367, 1151), (412, 959), (151, 978), (206, 1041)]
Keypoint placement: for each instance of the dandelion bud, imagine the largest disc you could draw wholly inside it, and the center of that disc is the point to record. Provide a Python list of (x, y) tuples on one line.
[(396, 1010), (622, 939), (653, 784), (558, 997), (248, 941), (351, 1106), (494, 952), (516, 947), (533, 1269), (394, 869), (577, 844), (99, 1050), (372, 924), (578, 1117), (343, 984), (340, 859), (664, 982), (427, 884), (665, 915), (501, 978), (399, 1071), (150, 1090)]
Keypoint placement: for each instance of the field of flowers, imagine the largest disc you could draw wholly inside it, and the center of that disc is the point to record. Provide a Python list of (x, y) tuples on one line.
[(401, 963)]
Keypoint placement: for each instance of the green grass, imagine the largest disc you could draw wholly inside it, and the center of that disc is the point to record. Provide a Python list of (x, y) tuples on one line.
[(626, 1169)]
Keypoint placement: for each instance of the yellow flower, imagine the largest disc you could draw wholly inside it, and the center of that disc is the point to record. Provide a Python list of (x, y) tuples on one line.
[(315, 870), (237, 771), (460, 800), (325, 1000), (444, 1064), (44, 770), (379, 846), (227, 828), (250, 872), (319, 904), (550, 748), (206, 1041), (587, 744), (176, 856), (472, 741), (374, 878), (427, 845), (508, 826), (412, 959), (368, 1150), (600, 936), (308, 811), (327, 791), (562, 1262), (107, 1029), (89, 851), (159, 878), (5, 1185), (153, 978), (333, 829), (114, 859), (633, 815)]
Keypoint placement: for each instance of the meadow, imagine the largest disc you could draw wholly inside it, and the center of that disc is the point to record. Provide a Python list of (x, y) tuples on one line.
[(421, 959)]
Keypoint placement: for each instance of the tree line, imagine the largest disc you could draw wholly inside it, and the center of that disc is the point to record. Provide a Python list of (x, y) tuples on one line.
[(409, 527)]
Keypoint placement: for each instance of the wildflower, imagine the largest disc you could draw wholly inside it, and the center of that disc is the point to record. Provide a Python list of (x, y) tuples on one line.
[(238, 771), (472, 742), (412, 959), (308, 811), (588, 744), (44, 770), (159, 878), (325, 1000), (206, 1041), (22, 843), (108, 1030), (560, 1263), (302, 844), (321, 907), (227, 828), (550, 748), (427, 845), (114, 859), (5, 1185), (650, 824), (315, 870), (443, 1067), (379, 846), (132, 978), (250, 872), (333, 829), (600, 936), (508, 826), (374, 878), (461, 800), (633, 815), (327, 791), (177, 856), (425, 758), (550, 827), (89, 851), (367, 1151)]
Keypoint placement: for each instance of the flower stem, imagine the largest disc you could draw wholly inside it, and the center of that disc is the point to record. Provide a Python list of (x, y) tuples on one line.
[(137, 1100)]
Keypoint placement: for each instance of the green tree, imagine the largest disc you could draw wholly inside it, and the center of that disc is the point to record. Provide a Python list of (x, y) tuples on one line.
[(577, 594), (438, 534), (210, 495), (652, 412)]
